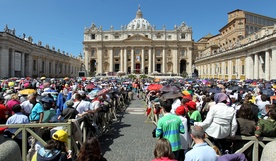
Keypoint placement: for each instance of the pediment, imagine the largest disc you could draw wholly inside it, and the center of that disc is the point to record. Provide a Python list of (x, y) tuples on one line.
[(137, 37)]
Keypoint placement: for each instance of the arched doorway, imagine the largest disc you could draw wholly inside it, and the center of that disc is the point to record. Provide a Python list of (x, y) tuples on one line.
[(183, 66), (92, 67)]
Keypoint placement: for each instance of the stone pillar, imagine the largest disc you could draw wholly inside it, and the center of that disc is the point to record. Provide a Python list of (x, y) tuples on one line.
[(87, 54), (143, 61), (100, 60), (111, 61), (4, 54), (121, 60), (164, 60), (31, 64), (125, 62), (189, 62), (256, 66), (23, 65), (249, 67), (132, 61), (12, 63), (175, 61), (267, 65), (153, 60), (273, 59), (150, 62)]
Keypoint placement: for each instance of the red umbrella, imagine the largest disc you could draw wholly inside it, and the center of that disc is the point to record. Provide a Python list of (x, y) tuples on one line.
[(90, 86), (154, 87), (103, 91), (83, 78)]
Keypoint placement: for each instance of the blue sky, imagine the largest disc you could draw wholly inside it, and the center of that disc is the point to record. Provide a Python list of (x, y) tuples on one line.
[(60, 23)]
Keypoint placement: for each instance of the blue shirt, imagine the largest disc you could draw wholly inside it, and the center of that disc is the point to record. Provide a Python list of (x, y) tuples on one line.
[(17, 118), (35, 112), (201, 152)]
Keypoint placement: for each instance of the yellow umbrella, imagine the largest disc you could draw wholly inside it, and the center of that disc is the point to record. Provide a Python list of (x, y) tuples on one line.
[(66, 78), (42, 78), (11, 84), (27, 91)]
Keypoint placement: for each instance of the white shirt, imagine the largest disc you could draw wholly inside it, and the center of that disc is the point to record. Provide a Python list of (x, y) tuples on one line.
[(81, 106), (176, 103), (220, 121), (26, 106)]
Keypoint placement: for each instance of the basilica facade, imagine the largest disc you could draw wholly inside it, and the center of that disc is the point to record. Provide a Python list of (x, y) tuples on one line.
[(138, 48)]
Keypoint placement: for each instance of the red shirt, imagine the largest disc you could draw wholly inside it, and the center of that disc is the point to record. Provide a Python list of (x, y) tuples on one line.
[(3, 111)]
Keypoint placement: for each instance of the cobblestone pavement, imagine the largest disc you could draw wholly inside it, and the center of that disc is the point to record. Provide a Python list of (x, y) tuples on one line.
[(131, 138)]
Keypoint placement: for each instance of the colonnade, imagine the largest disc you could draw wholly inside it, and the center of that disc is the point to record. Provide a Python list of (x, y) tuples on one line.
[(247, 65)]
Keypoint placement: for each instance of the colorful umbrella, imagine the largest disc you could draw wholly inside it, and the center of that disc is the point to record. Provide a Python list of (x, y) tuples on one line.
[(154, 87), (27, 91), (42, 78), (11, 84), (66, 78), (90, 86), (169, 88), (103, 91), (171, 95)]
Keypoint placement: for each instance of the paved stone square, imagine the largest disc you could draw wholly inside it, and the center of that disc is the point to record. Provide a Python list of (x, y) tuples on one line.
[(131, 138)]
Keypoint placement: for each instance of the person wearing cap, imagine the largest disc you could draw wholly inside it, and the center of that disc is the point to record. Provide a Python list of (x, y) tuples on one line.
[(55, 149), (185, 138), (220, 121), (193, 113)]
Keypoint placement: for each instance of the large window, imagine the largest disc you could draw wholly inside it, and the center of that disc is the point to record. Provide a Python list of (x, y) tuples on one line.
[(158, 52), (93, 36), (34, 65), (50, 67), (92, 52), (183, 36), (43, 67)]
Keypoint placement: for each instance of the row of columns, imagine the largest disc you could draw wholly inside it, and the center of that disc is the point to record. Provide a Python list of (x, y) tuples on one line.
[(11, 66), (124, 60), (254, 65)]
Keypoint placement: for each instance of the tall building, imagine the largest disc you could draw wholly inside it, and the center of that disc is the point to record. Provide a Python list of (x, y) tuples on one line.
[(244, 48), (21, 57), (138, 48)]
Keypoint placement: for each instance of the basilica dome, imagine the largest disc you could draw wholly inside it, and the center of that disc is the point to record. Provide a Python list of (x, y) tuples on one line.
[(139, 23)]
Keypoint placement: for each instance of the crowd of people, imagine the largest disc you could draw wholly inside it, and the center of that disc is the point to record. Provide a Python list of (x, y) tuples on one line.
[(187, 111), (217, 110), (43, 100)]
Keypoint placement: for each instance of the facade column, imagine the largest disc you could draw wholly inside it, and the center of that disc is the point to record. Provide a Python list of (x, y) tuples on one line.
[(31, 64), (175, 61), (267, 65), (121, 60), (125, 60), (12, 63), (153, 60), (23, 64), (189, 66), (87, 59), (4, 54), (132, 61), (111, 61), (164, 60), (256, 66), (273, 59), (150, 62), (143, 61), (100, 60), (249, 67)]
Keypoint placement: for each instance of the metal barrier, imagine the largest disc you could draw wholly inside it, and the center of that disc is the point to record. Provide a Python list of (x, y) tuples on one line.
[(29, 128)]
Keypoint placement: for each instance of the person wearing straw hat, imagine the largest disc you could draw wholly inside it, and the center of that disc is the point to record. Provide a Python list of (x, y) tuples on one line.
[(55, 149)]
